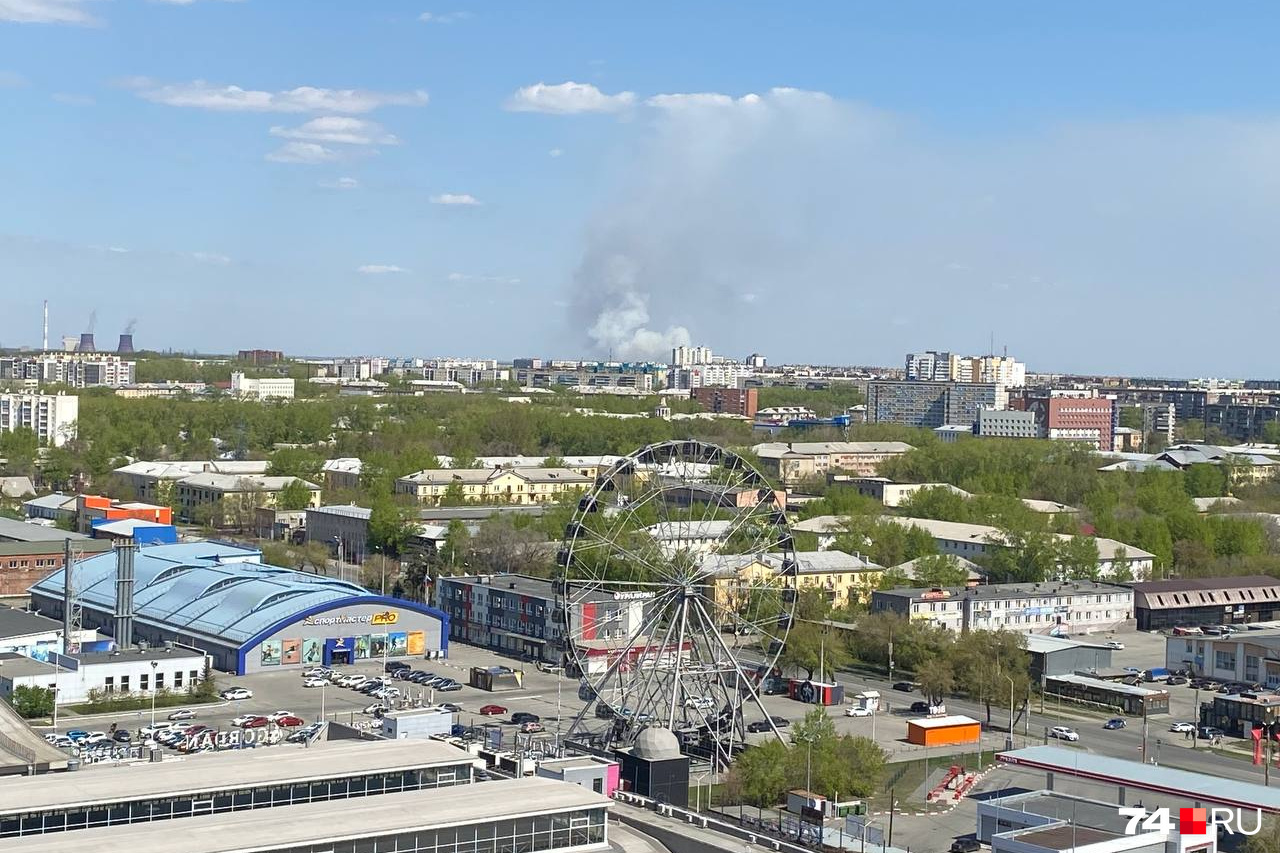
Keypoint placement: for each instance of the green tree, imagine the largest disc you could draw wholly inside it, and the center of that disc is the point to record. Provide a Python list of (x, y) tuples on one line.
[(941, 570), (31, 702), (1078, 558), (817, 649), (937, 679), (296, 462), (985, 661), (760, 773), (1268, 840), (391, 525), (294, 496), (894, 578)]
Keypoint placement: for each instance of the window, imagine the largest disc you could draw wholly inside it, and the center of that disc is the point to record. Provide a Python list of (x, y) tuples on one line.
[(124, 682), (177, 679), (109, 684), (159, 681), (142, 679), (1224, 660)]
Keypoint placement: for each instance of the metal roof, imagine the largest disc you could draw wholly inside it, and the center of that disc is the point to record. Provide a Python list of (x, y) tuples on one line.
[(1109, 686), (321, 824), (1044, 644), (20, 623), (1206, 592), (21, 531), (211, 589), (1200, 787)]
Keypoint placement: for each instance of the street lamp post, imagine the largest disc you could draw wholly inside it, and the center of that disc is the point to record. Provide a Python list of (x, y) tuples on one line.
[(1008, 741), (55, 682), (322, 689), (155, 664)]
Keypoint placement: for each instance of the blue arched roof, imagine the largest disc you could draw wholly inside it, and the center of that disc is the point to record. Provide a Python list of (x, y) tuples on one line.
[(206, 588)]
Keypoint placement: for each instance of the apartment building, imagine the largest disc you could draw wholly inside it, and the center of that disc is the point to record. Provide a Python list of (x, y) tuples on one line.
[(734, 401), (520, 615), (52, 417), (342, 474), (808, 460), (76, 369), (1007, 423), (931, 404), (929, 366), (154, 482), (261, 389), (604, 377), (260, 356), (973, 540), (466, 374), (687, 356), (1057, 608), (232, 496), (493, 485)]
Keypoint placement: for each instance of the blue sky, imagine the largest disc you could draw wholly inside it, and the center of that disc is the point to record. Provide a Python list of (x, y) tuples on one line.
[(1094, 184)]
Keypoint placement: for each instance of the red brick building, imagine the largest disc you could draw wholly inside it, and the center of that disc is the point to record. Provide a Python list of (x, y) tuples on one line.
[(734, 401), (1087, 420), (24, 563)]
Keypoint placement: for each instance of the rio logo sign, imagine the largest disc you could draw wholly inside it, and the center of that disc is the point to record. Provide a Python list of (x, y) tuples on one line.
[(1191, 821)]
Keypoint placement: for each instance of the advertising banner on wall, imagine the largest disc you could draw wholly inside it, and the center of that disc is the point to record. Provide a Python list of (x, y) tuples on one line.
[(312, 650), (271, 651), (398, 641), (416, 642), (292, 651)]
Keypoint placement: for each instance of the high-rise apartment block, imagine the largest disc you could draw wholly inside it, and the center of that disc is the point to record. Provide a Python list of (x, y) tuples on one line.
[(931, 366), (685, 356), (76, 369), (735, 401), (931, 404), (52, 417)]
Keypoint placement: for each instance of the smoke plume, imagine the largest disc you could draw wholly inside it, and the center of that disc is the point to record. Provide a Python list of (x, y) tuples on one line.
[(129, 327)]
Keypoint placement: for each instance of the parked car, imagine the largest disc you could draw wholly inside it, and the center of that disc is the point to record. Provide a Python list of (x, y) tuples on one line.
[(700, 703), (758, 727), (122, 736), (905, 686), (1114, 723), (852, 711), (289, 721), (314, 682), (402, 674), (968, 844), (182, 714), (451, 708), (530, 728), (1210, 732), (1115, 644), (316, 672), (1182, 727), (395, 666), (919, 707), (1064, 733), (1175, 680), (275, 716), (492, 710), (77, 734), (375, 708), (448, 686), (236, 693), (525, 717), (780, 722), (418, 676)]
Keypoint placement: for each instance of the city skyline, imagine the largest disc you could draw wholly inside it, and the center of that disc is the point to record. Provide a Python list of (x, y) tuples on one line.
[(839, 185)]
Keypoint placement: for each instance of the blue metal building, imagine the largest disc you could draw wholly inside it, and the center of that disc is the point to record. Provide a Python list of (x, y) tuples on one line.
[(248, 616)]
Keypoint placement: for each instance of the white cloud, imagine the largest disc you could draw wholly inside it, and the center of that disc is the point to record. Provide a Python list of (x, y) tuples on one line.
[(73, 100), (443, 17), (306, 153), (466, 278), (45, 12), (12, 80), (567, 99), (380, 269), (303, 99), (341, 184), (704, 100), (340, 130), (464, 199), (211, 258), (555, 152)]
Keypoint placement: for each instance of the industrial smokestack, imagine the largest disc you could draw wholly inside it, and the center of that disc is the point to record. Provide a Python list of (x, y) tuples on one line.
[(44, 337), (126, 344), (86, 343), (124, 594)]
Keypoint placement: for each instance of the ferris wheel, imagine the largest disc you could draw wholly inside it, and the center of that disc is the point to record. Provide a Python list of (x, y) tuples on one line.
[(675, 597)]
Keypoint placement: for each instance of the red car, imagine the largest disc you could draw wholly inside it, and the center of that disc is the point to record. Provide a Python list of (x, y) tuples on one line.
[(289, 721), (255, 723), (492, 710)]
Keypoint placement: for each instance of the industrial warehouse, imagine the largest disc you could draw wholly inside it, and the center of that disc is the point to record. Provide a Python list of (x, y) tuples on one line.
[(246, 615)]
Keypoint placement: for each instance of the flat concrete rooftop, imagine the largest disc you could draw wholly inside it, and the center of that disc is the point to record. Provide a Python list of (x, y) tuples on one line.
[(318, 823), (237, 768)]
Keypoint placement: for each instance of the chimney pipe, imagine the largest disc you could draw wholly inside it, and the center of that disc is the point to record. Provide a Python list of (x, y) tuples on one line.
[(86, 343), (126, 344), (125, 552), (68, 590)]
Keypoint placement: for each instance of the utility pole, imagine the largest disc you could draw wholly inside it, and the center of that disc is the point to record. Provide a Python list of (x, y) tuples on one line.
[(1144, 731)]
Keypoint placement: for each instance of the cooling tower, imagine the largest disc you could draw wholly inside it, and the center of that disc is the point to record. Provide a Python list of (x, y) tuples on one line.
[(126, 344), (86, 343)]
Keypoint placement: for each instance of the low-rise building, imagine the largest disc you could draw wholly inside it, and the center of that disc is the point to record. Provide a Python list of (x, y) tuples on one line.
[(232, 499), (264, 388), (52, 417), (487, 485), (92, 510), (1247, 656), (734, 401), (156, 482), (1057, 608), (56, 507), (141, 671), (1238, 714), (808, 460), (842, 579), (24, 563), (342, 474), (886, 491), (1052, 655), (974, 540), (1192, 602), (1007, 423)]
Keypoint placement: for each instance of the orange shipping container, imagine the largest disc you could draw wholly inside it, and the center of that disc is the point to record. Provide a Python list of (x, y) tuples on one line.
[(943, 731)]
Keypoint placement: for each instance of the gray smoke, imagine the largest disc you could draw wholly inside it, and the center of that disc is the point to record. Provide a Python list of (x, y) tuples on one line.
[(93, 321), (129, 327)]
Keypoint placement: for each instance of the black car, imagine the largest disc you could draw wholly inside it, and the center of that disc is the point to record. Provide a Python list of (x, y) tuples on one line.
[(1175, 680), (965, 845), (418, 676), (758, 727), (1210, 732), (451, 708), (525, 717), (780, 722), (394, 665), (919, 707), (121, 736), (905, 686), (401, 674)]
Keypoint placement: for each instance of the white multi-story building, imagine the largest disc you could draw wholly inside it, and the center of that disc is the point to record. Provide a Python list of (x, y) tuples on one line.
[(686, 356), (929, 366), (261, 389), (466, 374), (719, 374), (76, 369), (52, 417), (1060, 608)]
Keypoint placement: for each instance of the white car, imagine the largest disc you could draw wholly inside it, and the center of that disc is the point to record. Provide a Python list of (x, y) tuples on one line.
[(701, 703), (314, 682), (1182, 727), (237, 693), (154, 731), (277, 715), (315, 672), (1064, 733), (353, 681), (244, 718), (857, 712), (376, 707), (1115, 644), (182, 714)]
